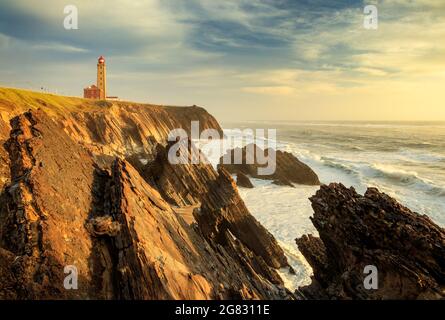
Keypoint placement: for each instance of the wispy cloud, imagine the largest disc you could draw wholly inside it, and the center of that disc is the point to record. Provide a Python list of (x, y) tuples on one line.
[(249, 52)]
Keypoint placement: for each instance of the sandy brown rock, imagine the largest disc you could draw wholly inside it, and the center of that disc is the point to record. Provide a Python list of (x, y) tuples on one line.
[(199, 184), (408, 249), (4, 166), (288, 169), (126, 240), (4, 158), (159, 256), (45, 208), (243, 181)]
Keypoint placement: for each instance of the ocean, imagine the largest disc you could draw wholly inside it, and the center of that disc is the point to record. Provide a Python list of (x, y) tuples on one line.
[(406, 160)]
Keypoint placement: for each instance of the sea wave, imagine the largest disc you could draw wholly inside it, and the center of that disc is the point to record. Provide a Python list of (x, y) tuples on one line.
[(421, 156), (409, 178), (361, 169), (369, 173), (393, 173), (340, 164)]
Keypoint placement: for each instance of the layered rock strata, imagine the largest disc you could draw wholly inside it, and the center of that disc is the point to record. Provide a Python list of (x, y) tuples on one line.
[(407, 249), (124, 229)]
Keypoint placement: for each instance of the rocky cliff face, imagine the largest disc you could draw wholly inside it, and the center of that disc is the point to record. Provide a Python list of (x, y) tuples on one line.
[(45, 208), (407, 249), (213, 193), (4, 158), (288, 169), (93, 189)]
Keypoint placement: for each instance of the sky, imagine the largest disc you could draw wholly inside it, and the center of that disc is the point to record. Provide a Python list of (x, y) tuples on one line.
[(240, 59)]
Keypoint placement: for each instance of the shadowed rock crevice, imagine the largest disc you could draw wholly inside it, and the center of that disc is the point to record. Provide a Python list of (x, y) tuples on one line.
[(101, 227)]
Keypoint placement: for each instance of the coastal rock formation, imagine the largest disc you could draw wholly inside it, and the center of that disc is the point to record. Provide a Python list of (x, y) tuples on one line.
[(156, 254), (355, 231), (199, 185), (243, 181), (100, 200), (288, 169)]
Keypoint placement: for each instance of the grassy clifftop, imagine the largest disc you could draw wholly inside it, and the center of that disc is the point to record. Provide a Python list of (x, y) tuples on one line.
[(18, 100), (126, 116), (14, 101), (116, 128)]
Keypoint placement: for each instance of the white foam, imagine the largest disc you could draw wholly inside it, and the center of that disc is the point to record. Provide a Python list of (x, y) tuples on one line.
[(284, 212)]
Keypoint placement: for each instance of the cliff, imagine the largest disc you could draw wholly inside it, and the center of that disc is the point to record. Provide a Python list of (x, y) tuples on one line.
[(88, 184), (407, 249)]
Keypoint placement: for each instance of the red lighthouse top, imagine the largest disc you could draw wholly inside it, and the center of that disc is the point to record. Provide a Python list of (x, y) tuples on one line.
[(101, 59)]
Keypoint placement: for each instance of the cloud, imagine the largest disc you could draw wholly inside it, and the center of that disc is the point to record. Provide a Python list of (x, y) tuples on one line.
[(210, 50), (277, 90), (57, 47)]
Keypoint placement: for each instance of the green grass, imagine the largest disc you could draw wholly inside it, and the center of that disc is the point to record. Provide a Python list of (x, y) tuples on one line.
[(15, 101), (18, 100)]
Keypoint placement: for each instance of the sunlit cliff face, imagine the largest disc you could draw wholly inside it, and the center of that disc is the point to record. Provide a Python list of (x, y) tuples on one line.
[(241, 59)]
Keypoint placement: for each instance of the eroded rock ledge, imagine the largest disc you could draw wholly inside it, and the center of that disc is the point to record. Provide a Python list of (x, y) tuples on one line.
[(408, 249)]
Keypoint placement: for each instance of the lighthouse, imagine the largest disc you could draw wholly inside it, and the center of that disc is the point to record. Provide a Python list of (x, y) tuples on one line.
[(101, 78), (98, 91)]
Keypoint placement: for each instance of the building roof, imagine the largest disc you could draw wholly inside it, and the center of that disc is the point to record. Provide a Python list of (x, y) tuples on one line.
[(93, 86)]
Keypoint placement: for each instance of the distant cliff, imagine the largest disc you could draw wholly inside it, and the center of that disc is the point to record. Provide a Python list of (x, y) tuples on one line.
[(88, 184)]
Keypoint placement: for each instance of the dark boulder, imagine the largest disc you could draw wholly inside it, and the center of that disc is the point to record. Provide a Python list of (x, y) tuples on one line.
[(243, 181)]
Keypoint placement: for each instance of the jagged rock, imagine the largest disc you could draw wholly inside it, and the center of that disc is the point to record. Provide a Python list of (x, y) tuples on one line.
[(103, 225), (288, 169), (200, 185), (159, 256), (407, 249), (44, 209), (243, 181), (115, 226)]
